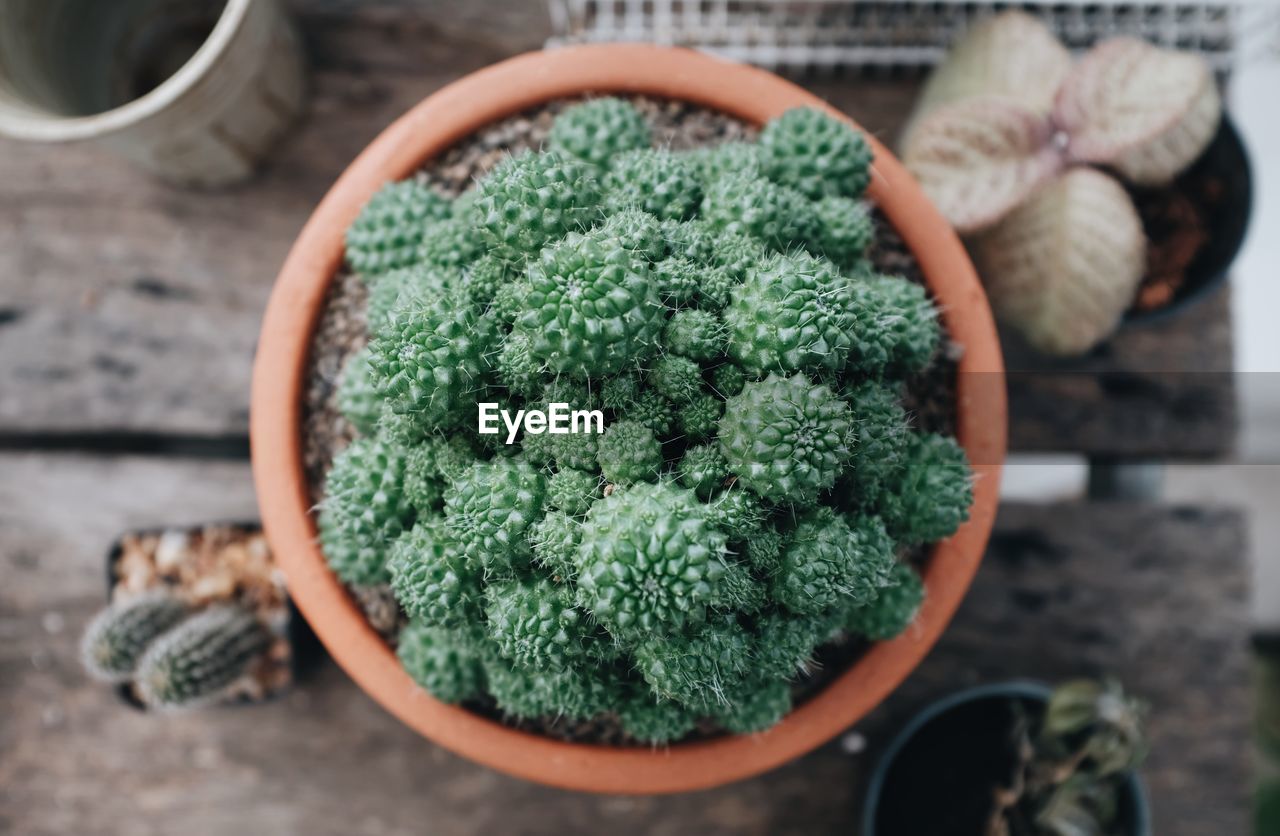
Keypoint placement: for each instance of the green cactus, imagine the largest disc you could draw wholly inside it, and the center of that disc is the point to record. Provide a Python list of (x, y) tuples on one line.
[(433, 579), (778, 216), (195, 662), (829, 561), (630, 452), (664, 184), (649, 560), (696, 334), (531, 199), (591, 308), (786, 438), (600, 130), (116, 638), (358, 398), (364, 510), (892, 610), (816, 154), (756, 471), (444, 662), (389, 230)]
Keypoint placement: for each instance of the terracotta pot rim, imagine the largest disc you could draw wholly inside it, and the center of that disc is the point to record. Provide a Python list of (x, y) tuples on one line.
[(442, 120)]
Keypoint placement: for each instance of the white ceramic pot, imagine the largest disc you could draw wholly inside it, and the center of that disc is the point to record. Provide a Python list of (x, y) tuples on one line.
[(196, 91)]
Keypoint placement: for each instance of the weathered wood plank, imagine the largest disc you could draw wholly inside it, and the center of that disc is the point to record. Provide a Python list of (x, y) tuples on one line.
[(1154, 595), (130, 307)]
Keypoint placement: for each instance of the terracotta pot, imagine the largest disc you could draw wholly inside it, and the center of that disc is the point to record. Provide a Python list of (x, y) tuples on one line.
[(442, 120)]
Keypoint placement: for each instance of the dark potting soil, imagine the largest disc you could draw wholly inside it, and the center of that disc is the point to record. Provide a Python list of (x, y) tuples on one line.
[(1177, 219), (342, 331), (954, 763)]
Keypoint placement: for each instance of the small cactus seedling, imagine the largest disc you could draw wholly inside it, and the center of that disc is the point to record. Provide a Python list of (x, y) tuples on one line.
[(196, 661), (754, 472), (117, 637)]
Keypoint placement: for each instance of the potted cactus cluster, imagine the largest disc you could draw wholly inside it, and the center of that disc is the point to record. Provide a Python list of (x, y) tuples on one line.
[(628, 437), (753, 476)]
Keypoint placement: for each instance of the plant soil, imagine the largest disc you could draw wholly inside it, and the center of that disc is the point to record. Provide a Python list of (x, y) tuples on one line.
[(1177, 219), (342, 331)]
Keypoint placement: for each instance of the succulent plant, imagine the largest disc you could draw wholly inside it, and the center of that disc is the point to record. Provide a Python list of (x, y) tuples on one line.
[(654, 719), (432, 358), (894, 607), (786, 438), (794, 312), (196, 661), (591, 309), (664, 184), (698, 335), (755, 705), (387, 233), (649, 561), (490, 508), (433, 579), (815, 154), (599, 130), (686, 562), (777, 215), (117, 637), (844, 230), (530, 199), (698, 669), (629, 452), (536, 623), (445, 662), (930, 491), (1002, 140), (358, 398), (364, 510), (573, 491), (555, 540), (829, 560)]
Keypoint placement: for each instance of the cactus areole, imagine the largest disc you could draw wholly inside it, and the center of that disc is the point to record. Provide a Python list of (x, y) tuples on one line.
[(753, 485)]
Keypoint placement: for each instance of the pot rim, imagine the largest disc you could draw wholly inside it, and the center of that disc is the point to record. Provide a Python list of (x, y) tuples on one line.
[(31, 123), (449, 116), (1027, 689)]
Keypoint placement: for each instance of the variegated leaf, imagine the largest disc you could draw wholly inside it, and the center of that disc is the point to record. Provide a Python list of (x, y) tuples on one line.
[(1146, 112), (1063, 267), (979, 158), (1011, 55)]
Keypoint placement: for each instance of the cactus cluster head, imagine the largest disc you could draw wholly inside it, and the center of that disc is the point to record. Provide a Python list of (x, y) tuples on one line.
[(755, 471)]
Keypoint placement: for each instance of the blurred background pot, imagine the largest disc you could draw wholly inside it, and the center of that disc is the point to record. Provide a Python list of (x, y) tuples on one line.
[(195, 91), (945, 763)]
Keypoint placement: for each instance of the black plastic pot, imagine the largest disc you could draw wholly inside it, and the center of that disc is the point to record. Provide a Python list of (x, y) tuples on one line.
[(1226, 161), (306, 650), (959, 738)]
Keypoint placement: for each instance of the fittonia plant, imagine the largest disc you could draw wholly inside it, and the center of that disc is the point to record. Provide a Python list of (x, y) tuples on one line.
[(756, 478)]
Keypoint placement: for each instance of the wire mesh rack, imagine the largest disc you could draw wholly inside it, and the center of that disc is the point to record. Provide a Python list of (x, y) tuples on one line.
[(828, 34)]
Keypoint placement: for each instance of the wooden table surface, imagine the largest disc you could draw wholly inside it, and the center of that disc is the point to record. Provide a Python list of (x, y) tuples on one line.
[(1056, 597), (129, 310)]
